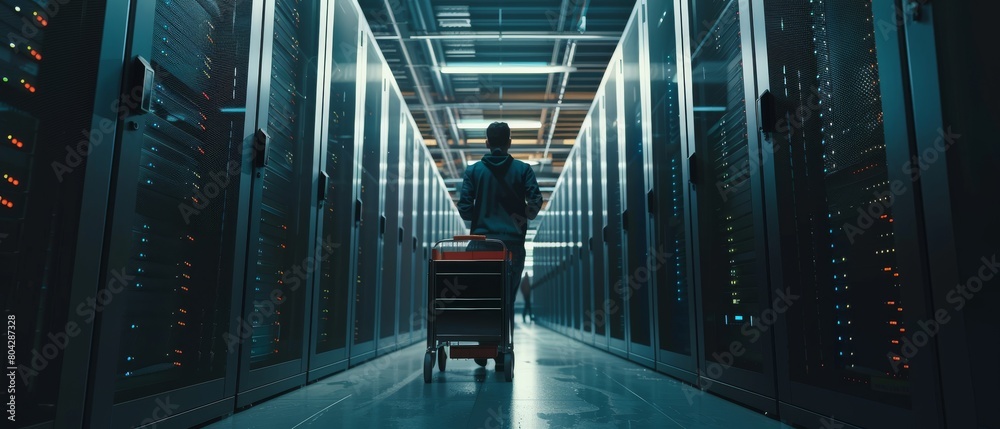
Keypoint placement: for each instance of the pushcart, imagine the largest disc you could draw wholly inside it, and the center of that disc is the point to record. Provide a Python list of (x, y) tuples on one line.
[(468, 308)]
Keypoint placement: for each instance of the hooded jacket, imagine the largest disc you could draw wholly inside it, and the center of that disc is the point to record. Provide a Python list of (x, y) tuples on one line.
[(500, 210)]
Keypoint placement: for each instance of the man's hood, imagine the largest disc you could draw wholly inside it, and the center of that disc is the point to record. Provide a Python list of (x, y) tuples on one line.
[(497, 163)]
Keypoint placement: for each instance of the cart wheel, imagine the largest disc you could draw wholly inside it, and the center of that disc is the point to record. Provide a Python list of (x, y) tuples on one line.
[(442, 358), (481, 362), (428, 366), (508, 366)]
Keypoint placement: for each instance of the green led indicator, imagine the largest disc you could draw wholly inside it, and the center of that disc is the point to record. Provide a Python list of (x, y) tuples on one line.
[(5, 79)]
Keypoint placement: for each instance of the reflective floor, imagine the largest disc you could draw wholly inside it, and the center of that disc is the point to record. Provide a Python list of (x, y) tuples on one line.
[(558, 383)]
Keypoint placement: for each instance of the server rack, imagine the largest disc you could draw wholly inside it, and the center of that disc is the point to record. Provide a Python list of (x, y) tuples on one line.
[(615, 310), (284, 205), (199, 207), (670, 196), (729, 240), (344, 91), (392, 236), (369, 201), (174, 223), (954, 118), (58, 116), (587, 205), (862, 284), (640, 261), (794, 187), (406, 232)]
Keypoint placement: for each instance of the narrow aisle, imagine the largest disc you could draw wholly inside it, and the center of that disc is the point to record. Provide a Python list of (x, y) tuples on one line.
[(558, 383)]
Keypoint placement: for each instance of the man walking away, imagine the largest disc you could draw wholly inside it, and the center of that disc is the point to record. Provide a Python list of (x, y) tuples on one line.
[(499, 195)]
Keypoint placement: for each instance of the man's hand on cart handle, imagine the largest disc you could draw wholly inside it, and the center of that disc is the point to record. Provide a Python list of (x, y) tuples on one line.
[(469, 237)]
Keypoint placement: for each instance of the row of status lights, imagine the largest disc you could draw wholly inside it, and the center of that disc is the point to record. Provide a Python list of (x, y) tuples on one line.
[(38, 17), (15, 141), (27, 85)]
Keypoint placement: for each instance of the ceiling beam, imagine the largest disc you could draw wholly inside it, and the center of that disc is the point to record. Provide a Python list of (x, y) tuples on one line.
[(481, 150), (509, 106), (563, 11), (490, 35)]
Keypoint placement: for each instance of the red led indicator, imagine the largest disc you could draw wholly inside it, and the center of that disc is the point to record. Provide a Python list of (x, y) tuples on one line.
[(11, 180)]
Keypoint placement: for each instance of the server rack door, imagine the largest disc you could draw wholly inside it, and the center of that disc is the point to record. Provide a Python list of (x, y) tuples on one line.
[(586, 217), (579, 211), (736, 311), (837, 154), (597, 190), (564, 278), (640, 262), (52, 87), (427, 164), (283, 205), (668, 199), (338, 226), (420, 237), (611, 155), (370, 238), (574, 253), (389, 296), (551, 275), (408, 242), (955, 116), (177, 244)]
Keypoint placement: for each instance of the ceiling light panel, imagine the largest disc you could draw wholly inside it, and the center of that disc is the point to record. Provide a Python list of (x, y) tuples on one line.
[(453, 16)]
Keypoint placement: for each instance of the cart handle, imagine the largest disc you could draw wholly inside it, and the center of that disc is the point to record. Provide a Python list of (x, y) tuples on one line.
[(469, 237)]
